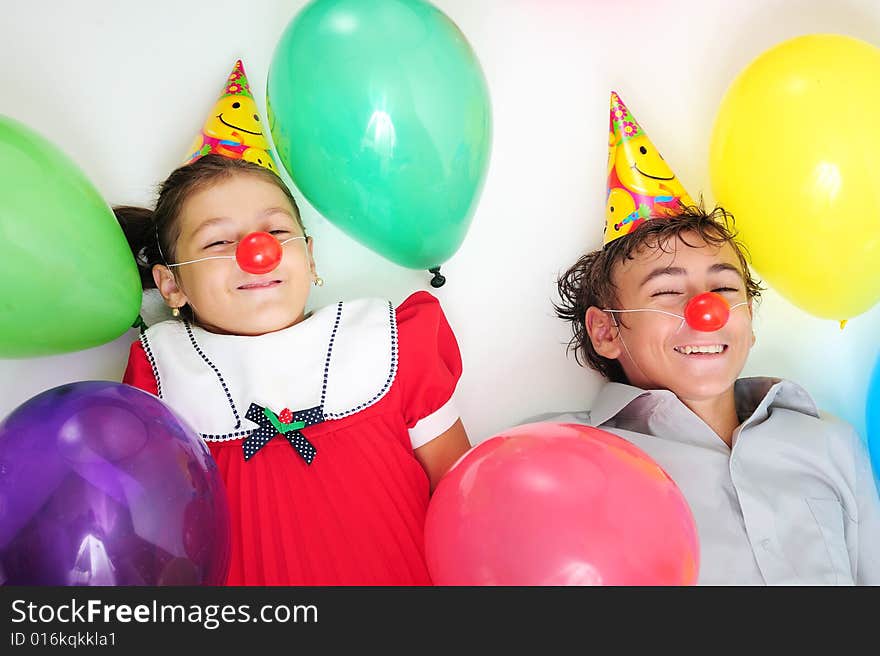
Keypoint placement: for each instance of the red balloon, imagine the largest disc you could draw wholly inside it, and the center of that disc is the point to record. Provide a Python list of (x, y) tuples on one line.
[(258, 252), (559, 504), (707, 312)]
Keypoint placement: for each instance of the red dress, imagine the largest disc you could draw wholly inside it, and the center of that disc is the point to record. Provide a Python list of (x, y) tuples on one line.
[(355, 515)]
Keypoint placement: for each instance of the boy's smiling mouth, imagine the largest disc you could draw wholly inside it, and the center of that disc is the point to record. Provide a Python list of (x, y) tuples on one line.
[(701, 349)]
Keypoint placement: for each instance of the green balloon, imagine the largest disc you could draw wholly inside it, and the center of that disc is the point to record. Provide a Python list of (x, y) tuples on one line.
[(380, 112), (68, 280)]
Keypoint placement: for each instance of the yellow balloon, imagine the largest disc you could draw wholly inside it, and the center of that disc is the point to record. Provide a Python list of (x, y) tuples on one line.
[(795, 156)]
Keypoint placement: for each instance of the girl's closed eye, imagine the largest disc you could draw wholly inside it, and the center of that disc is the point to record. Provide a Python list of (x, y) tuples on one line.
[(719, 290), (221, 242)]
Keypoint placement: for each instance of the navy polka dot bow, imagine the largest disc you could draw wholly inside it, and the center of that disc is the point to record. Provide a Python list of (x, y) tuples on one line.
[(286, 423)]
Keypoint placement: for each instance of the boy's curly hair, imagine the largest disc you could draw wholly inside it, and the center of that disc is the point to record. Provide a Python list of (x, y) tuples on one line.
[(589, 281)]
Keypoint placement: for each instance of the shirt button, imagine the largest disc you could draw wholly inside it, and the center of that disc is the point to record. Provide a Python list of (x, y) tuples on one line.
[(765, 543)]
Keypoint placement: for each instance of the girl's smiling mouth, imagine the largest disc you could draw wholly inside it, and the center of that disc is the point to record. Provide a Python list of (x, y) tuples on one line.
[(261, 284)]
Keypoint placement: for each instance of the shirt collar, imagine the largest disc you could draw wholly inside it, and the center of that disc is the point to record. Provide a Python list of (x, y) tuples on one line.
[(755, 397), (614, 397)]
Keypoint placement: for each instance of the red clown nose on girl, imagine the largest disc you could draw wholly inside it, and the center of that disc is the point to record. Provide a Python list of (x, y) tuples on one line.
[(258, 253)]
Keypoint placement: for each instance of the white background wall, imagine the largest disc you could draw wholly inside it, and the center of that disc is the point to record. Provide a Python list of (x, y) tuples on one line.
[(122, 87)]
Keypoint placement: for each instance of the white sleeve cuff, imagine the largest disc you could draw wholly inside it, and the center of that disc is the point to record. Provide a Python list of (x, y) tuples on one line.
[(434, 425)]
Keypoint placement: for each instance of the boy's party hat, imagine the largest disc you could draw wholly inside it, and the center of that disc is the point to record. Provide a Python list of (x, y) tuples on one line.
[(641, 186), (234, 128)]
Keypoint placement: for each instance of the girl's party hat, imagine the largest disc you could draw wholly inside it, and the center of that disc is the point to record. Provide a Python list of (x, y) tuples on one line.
[(234, 128)]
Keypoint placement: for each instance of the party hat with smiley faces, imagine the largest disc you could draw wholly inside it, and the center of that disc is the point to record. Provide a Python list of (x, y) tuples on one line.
[(234, 128), (641, 185)]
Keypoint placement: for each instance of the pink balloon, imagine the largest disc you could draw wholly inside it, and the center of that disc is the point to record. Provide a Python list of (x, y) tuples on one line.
[(559, 504)]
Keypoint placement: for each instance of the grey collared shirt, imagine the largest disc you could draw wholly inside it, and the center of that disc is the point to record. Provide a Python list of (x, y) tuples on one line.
[(792, 502)]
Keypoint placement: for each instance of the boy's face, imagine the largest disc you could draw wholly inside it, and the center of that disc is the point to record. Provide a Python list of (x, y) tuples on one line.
[(653, 348)]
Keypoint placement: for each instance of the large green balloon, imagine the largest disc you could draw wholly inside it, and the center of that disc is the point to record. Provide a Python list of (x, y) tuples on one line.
[(68, 280), (380, 113)]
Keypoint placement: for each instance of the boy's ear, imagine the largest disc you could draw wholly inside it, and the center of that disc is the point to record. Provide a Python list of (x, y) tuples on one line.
[(603, 333), (167, 285)]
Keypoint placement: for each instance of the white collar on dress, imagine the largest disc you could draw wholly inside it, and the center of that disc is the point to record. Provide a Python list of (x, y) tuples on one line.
[(342, 358)]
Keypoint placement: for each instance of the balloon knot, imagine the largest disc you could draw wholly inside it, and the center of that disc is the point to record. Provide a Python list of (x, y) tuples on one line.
[(843, 324), (139, 323), (437, 281)]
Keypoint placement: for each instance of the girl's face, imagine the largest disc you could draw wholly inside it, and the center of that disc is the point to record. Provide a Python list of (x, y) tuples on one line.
[(224, 298), (658, 351)]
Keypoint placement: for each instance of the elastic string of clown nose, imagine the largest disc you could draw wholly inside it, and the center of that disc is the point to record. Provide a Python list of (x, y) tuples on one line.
[(258, 252), (706, 312), (626, 348)]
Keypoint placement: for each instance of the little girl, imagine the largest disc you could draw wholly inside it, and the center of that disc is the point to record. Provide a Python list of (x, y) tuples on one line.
[(329, 429)]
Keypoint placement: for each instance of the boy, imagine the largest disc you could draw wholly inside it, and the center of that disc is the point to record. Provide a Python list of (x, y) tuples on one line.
[(780, 494)]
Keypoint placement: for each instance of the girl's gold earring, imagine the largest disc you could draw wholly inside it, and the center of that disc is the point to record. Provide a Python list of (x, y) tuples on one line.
[(175, 312), (319, 281)]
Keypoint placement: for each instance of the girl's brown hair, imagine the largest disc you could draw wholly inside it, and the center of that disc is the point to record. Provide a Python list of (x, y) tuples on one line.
[(589, 282), (153, 233)]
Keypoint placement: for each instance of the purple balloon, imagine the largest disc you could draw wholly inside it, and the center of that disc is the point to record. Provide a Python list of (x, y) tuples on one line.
[(103, 484)]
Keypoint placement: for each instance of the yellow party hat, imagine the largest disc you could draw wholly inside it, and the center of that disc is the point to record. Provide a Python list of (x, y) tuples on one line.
[(234, 128), (641, 185)]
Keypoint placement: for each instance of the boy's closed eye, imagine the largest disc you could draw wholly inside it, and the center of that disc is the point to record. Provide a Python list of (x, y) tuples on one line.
[(671, 292)]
